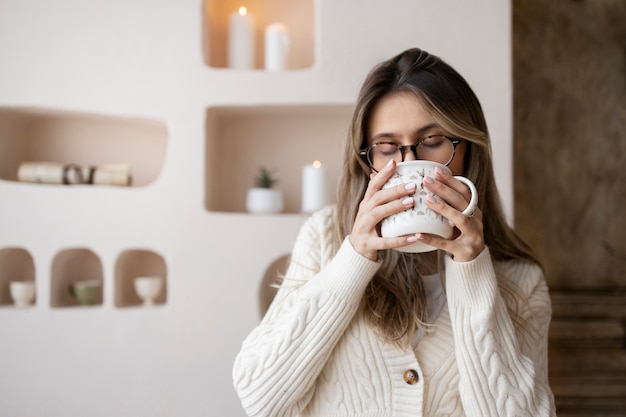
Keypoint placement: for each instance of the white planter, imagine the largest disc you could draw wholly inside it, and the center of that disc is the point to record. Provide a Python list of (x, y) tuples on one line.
[(264, 200)]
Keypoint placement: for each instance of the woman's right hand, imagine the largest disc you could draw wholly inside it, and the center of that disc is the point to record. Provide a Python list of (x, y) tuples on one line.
[(375, 206)]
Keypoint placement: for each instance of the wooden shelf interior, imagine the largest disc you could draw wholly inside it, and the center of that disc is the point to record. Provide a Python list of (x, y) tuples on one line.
[(74, 138), (298, 15), (283, 139), (134, 263), (16, 264), (69, 266)]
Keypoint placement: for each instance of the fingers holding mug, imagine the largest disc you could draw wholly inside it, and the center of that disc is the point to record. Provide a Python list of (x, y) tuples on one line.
[(419, 218), (459, 192), (439, 206), (467, 241), (460, 208), (469, 211)]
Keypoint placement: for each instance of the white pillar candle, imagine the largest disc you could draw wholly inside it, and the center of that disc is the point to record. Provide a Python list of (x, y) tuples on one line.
[(314, 192), (241, 40), (276, 46)]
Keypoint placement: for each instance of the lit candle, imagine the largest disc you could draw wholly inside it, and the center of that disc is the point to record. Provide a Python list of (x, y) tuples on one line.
[(241, 40), (314, 193), (276, 46)]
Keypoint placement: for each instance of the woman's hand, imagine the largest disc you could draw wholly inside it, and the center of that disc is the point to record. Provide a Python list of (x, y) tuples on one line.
[(375, 206), (468, 240)]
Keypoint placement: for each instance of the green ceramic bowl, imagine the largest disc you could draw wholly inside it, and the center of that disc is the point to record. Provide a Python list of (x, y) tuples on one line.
[(87, 293)]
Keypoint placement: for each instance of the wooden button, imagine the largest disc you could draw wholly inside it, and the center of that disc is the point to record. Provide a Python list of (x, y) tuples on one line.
[(411, 377)]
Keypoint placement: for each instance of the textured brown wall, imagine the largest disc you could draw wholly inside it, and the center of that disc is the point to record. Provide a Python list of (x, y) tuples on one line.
[(570, 138)]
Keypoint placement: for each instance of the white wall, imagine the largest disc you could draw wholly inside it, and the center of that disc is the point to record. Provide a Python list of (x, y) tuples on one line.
[(143, 59)]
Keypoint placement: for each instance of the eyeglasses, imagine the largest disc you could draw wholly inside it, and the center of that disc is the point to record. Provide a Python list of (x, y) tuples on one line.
[(436, 148)]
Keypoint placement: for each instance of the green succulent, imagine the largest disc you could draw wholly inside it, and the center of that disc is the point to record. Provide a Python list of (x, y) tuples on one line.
[(265, 179)]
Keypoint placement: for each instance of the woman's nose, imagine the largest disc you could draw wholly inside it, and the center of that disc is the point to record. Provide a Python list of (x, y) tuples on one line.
[(409, 155)]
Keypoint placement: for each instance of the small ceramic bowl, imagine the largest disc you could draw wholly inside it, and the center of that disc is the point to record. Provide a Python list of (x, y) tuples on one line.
[(148, 288), (22, 292), (87, 293)]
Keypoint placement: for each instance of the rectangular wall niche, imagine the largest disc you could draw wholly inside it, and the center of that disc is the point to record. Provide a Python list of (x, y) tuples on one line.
[(298, 15), (133, 264), (239, 140), (45, 135)]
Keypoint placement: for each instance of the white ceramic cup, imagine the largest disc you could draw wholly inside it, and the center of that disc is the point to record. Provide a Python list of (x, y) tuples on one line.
[(419, 218), (22, 292), (148, 288)]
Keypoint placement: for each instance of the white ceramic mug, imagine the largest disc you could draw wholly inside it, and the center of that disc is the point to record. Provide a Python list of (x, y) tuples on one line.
[(22, 292), (419, 218)]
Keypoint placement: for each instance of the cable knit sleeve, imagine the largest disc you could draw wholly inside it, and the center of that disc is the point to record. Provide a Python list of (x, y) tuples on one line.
[(500, 317), (275, 372)]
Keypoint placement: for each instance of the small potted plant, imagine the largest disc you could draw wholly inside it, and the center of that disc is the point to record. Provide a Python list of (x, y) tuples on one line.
[(263, 198)]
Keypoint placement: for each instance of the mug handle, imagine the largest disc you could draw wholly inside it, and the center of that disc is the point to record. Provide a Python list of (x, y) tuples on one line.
[(473, 199)]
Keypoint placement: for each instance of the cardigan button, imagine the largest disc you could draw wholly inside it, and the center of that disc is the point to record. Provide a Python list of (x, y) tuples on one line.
[(411, 376)]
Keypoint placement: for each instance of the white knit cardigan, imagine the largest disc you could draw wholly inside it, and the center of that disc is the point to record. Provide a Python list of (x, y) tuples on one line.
[(313, 354)]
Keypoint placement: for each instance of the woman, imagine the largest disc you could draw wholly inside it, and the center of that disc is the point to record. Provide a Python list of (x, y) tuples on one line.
[(359, 329)]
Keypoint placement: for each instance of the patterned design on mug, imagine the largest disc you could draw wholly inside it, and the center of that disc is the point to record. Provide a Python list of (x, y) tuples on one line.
[(420, 208)]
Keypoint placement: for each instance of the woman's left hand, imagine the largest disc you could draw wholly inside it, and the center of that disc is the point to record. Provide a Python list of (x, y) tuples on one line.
[(468, 240)]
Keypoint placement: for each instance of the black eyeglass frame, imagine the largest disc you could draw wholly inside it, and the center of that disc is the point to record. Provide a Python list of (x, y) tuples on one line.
[(364, 153)]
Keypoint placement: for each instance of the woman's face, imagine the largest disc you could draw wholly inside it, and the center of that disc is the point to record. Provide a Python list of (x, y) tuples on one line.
[(401, 118)]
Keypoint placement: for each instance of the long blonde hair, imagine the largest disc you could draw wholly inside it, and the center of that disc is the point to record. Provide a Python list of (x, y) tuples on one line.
[(394, 301)]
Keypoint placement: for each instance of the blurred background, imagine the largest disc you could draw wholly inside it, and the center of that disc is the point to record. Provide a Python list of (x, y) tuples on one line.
[(570, 188)]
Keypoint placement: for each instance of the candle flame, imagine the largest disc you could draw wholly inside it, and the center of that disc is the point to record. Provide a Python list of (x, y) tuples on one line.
[(317, 164), (243, 11)]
